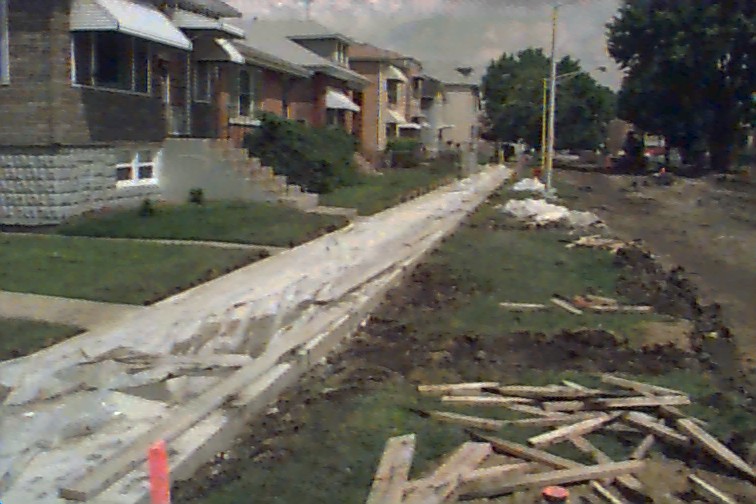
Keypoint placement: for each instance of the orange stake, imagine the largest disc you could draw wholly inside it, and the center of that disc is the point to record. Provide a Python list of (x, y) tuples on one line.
[(160, 479)]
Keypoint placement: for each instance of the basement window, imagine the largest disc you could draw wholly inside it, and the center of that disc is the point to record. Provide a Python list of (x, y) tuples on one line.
[(139, 168)]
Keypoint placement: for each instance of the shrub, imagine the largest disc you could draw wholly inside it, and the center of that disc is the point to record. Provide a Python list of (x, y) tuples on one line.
[(147, 208), (197, 196), (317, 159), (404, 152)]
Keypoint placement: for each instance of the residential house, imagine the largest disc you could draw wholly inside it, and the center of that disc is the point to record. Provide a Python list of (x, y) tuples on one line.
[(332, 95), (461, 102), (392, 100), (84, 120)]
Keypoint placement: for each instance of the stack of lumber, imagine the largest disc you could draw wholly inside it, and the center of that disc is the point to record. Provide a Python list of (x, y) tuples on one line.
[(490, 466), (578, 304)]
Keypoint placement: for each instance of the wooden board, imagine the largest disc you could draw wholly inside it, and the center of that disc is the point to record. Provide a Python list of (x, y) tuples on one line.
[(640, 402), (622, 309), (526, 453), (568, 431), (709, 491), (493, 486), (650, 425), (545, 393), (566, 306), (393, 470), (534, 410), (626, 481), (639, 386), (605, 494), (473, 422), (177, 421), (503, 469), (642, 449), (485, 401), (442, 485), (565, 406), (455, 388), (551, 421), (715, 448), (523, 307)]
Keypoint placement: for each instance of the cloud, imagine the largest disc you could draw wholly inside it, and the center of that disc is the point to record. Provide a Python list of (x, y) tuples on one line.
[(474, 31)]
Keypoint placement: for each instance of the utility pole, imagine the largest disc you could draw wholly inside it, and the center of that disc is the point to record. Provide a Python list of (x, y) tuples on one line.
[(543, 123), (552, 101)]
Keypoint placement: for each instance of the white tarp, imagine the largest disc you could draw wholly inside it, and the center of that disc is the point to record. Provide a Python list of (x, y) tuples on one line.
[(131, 18), (529, 185), (541, 213), (339, 101)]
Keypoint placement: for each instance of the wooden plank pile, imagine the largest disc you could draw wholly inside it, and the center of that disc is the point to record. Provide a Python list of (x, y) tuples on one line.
[(578, 305), (490, 466)]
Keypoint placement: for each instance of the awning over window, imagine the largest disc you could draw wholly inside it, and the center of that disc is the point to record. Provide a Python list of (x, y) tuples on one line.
[(413, 126), (233, 53), (136, 19), (395, 117), (192, 21), (395, 74), (339, 101)]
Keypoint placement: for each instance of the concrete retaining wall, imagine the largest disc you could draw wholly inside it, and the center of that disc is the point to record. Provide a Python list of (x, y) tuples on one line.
[(48, 188)]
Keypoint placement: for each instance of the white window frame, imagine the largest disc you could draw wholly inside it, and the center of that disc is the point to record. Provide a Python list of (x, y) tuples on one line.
[(4, 44), (134, 166), (196, 80), (93, 66)]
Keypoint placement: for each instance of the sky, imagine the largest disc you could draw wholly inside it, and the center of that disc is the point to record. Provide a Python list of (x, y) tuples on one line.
[(470, 32)]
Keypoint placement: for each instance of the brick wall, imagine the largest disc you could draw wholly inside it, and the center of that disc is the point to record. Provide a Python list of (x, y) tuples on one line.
[(301, 95), (204, 121), (369, 114), (272, 92), (41, 107)]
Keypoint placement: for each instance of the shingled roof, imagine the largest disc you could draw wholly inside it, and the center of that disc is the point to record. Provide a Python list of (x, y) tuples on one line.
[(213, 8)]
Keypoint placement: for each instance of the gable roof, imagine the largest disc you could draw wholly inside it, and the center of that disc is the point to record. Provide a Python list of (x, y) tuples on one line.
[(299, 29), (266, 36), (368, 52), (256, 56), (214, 8)]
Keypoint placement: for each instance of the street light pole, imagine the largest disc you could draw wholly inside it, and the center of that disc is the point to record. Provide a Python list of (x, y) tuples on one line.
[(552, 101), (543, 123)]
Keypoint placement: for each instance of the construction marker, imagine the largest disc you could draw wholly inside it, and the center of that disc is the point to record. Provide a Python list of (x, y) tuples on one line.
[(555, 495), (160, 479)]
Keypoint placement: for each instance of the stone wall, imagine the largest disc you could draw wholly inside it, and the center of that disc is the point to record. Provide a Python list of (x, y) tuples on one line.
[(42, 188)]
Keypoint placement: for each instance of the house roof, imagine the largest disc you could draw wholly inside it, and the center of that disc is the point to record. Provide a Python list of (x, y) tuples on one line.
[(267, 37), (214, 8), (448, 73), (299, 29), (255, 56), (368, 52)]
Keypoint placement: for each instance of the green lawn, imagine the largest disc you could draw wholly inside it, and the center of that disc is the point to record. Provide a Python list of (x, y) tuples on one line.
[(117, 272), (237, 222), (377, 193), (341, 423), (24, 337)]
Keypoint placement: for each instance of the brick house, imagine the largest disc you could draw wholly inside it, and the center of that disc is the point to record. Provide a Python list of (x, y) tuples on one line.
[(84, 121), (392, 99), (333, 93)]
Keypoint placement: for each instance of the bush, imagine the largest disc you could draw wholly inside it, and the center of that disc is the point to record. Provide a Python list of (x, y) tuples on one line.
[(404, 152), (317, 159), (147, 208), (197, 196)]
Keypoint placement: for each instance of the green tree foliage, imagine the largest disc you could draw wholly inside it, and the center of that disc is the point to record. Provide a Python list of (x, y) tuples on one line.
[(690, 71), (317, 159), (513, 92)]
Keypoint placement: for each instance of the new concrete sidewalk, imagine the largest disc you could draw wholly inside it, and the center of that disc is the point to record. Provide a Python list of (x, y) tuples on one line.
[(57, 310)]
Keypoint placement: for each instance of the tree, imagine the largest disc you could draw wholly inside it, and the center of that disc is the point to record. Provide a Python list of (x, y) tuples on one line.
[(690, 71), (513, 91)]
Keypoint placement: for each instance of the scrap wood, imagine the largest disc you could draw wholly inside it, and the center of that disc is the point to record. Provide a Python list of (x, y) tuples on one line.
[(455, 388), (605, 494), (551, 421), (485, 401), (576, 429), (639, 386), (393, 471), (638, 402), (597, 241), (494, 486), (563, 406), (622, 309), (534, 410), (715, 448), (642, 449), (523, 307), (473, 422), (525, 452), (710, 491), (566, 306), (442, 485), (625, 481), (650, 425), (543, 393)]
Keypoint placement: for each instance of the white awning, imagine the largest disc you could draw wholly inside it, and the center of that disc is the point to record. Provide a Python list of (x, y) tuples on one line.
[(413, 126), (192, 21), (233, 53), (339, 101), (395, 117), (136, 19), (395, 74), (446, 126)]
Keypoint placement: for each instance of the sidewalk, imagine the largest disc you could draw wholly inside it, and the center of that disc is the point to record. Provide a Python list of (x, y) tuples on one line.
[(57, 310)]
